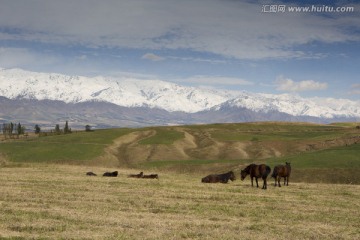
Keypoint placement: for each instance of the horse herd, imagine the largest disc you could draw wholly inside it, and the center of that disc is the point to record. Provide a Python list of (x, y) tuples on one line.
[(255, 171)]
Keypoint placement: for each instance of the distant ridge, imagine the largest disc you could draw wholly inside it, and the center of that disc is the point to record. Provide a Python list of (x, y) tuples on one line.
[(47, 97)]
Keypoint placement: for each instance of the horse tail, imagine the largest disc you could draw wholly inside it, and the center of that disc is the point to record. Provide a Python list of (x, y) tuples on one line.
[(275, 172), (268, 170)]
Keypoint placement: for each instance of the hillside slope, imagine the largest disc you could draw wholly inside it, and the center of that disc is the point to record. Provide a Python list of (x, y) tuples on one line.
[(231, 142)]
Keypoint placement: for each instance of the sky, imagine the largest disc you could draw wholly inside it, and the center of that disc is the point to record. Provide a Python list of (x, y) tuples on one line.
[(307, 48)]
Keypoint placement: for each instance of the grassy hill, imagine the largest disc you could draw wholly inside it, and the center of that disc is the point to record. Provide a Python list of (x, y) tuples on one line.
[(319, 153)]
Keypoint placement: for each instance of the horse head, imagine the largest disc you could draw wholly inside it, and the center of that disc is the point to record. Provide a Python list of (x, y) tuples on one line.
[(232, 176), (243, 174)]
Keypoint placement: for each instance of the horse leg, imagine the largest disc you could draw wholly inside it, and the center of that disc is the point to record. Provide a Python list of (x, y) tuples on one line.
[(257, 184), (264, 185), (252, 181), (278, 180)]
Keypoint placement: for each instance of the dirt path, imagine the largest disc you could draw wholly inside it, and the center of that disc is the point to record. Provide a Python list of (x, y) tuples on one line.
[(117, 153)]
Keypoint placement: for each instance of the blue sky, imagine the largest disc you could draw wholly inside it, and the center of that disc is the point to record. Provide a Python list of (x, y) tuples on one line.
[(229, 44)]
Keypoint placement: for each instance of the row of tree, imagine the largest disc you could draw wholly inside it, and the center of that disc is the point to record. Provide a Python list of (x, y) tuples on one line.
[(56, 131), (10, 130)]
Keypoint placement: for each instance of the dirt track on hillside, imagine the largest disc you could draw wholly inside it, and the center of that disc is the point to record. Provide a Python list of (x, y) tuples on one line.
[(127, 151)]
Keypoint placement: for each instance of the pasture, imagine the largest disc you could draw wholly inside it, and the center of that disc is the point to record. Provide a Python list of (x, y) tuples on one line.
[(45, 193), (52, 201), (318, 153)]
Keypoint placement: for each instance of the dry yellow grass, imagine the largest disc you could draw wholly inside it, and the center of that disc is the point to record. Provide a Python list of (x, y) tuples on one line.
[(60, 202)]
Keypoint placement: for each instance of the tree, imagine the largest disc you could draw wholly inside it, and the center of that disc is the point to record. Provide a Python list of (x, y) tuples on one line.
[(8, 129), (57, 129), (20, 130), (11, 129), (66, 128), (37, 129), (88, 128)]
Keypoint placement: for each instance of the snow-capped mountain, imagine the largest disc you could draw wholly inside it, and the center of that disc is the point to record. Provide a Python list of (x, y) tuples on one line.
[(15, 83), (169, 100)]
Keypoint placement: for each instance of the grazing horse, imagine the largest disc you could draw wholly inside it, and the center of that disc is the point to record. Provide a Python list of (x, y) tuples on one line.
[(151, 176), (110, 174), (90, 174), (140, 175), (223, 178), (282, 171), (256, 171)]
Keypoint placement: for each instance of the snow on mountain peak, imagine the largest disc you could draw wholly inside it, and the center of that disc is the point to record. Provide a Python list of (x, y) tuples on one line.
[(16, 83), (127, 92)]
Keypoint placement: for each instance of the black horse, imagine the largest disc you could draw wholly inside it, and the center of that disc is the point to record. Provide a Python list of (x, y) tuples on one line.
[(256, 171), (222, 178), (110, 174), (282, 171)]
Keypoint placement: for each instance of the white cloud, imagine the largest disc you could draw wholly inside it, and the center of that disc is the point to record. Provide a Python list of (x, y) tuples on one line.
[(355, 89), (235, 29), (216, 80), (152, 57), (82, 57), (23, 57), (287, 84)]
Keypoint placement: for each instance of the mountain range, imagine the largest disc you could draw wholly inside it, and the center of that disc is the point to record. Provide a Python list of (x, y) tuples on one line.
[(49, 98)]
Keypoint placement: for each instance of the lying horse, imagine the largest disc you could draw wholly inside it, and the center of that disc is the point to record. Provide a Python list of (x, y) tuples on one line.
[(151, 176), (282, 171), (223, 178), (90, 174), (110, 174), (256, 171), (140, 175)]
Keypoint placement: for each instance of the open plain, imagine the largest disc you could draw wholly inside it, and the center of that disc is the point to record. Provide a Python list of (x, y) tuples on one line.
[(45, 193), (61, 202)]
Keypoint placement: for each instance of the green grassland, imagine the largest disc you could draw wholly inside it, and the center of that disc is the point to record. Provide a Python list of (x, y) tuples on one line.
[(76, 148), (333, 164)]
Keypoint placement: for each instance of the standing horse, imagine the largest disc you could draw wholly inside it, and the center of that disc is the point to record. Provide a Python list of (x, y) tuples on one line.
[(256, 171), (223, 178), (282, 171)]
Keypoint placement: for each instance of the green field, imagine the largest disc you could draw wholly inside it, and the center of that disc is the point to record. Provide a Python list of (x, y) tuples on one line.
[(76, 148), (337, 162)]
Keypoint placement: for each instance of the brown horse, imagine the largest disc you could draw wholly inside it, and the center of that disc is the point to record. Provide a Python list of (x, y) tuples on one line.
[(91, 174), (153, 176), (140, 175), (222, 178), (282, 171), (256, 171)]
